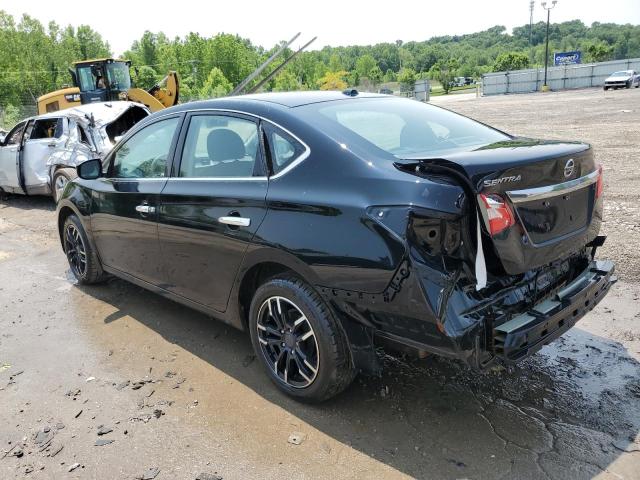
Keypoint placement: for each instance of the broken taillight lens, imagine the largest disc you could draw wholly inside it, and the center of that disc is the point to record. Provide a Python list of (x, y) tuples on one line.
[(600, 182), (499, 213)]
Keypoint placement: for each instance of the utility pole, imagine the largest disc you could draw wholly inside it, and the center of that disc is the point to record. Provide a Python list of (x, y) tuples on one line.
[(531, 5), (545, 87)]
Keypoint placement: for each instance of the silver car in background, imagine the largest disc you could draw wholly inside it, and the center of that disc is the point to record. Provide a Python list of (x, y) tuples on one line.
[(39, 155), (622, 79)]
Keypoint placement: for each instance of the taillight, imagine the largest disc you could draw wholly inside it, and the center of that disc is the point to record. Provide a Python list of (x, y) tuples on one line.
[(600, 182), (499, 213)]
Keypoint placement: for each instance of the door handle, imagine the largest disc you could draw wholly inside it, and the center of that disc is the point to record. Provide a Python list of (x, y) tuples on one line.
[(235, 221), (145, 209)]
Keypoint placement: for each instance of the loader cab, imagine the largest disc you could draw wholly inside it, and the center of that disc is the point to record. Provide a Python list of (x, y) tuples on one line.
[(102, 80)]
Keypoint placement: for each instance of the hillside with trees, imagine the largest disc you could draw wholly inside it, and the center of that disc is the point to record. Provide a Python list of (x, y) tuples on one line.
[(34, 58)]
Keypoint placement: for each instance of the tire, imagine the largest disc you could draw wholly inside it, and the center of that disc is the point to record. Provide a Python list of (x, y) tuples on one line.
[(84, 266), (627, 85), (61, 177), (320, 364), (606, 88)]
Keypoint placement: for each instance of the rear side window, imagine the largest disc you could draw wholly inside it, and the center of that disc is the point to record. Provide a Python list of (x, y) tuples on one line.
[(283, 149), (220, 146), (145, 154)]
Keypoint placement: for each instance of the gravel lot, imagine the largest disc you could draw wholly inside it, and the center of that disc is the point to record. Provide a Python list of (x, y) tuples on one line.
[(180, 395)]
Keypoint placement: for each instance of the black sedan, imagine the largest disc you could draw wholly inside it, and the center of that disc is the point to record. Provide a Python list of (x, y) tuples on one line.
[(328, 224)]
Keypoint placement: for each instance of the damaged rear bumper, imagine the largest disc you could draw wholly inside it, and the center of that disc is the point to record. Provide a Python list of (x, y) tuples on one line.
[(528, 332)]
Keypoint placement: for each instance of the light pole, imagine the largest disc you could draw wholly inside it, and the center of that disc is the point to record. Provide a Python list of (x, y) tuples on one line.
[(545, 87)]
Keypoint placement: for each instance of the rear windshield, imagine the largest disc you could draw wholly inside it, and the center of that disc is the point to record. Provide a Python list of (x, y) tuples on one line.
[(406, 128)]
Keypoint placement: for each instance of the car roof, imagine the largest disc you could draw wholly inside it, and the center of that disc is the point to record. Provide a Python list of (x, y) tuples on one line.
[(101, 112), (283, 99)]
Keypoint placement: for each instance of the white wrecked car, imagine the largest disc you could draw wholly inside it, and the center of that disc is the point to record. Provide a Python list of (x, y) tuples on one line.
[(39, 155), (622, 79)]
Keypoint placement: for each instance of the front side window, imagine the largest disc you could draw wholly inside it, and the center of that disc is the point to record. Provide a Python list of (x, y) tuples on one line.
[(219, 146), (47, 128), (118, 76), (145, 154), (405, 128)]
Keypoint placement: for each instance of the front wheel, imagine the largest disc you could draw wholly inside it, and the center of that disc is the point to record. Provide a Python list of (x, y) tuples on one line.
[(299, 341), (83, 260)]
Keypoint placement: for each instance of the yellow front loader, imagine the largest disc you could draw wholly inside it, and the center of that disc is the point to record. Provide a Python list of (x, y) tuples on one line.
[(105, 80)]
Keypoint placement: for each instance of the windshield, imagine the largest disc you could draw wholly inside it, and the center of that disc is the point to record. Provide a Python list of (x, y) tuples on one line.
[(621, 74), (407, 128), (118, 76)]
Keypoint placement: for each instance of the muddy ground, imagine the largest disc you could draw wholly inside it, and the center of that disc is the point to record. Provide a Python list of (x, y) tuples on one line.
[(179, 395)]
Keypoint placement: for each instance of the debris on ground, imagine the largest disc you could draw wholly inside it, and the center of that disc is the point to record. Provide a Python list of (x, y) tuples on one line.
[(102, 430), (150, 474), (73, 393), (73, 467), (103, 441), (122, 385), (296, 438), (180, 382), (209, 476)]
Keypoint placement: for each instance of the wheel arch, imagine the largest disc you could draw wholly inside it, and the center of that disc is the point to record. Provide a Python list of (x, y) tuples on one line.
[(260, 265)]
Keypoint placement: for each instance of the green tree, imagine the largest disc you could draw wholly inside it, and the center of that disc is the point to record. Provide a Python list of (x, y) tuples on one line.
[(510, 61), (144, 77), (364, 65), (599, 52), (389, 76), (407, 79), (286, 82), (216, 85)]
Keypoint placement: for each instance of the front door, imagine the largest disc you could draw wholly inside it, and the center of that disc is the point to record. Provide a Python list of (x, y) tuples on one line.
[(124, 209), (212, 206), (45, 137), (9, 160)]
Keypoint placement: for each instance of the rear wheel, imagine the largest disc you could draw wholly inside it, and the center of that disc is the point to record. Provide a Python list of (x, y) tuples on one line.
[(299, 341), (83, 261), (61, 177)]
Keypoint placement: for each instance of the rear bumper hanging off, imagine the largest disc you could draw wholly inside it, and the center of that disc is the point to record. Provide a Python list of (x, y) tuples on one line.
[(527, 333)]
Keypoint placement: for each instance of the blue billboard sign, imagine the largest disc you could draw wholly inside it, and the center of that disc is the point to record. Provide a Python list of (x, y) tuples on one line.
[(567, 58)]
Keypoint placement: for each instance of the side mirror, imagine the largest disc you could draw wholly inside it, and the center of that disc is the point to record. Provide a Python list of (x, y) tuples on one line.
[(90, 170)]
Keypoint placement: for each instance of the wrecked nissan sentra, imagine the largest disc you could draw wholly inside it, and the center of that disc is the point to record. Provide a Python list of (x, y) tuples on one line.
[(327, 224), (39, 155)]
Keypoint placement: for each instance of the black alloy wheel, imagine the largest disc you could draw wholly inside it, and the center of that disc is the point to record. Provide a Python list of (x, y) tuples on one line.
[(76, 250), (288, 342)]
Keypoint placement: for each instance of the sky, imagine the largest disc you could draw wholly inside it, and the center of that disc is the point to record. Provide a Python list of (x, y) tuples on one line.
[(334, 22)]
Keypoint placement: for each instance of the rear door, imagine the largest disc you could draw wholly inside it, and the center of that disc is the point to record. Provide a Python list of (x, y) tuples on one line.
[(45, 137), (124, 207), (212, 206), (9, 160)]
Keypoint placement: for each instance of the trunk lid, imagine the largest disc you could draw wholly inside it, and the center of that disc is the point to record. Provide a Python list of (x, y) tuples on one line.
[(551, 188)]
